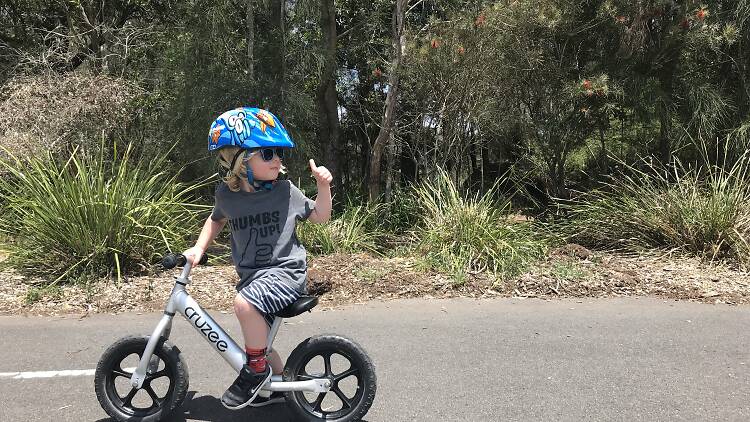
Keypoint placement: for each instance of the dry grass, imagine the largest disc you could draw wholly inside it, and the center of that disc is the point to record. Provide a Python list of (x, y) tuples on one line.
[(570, 271)]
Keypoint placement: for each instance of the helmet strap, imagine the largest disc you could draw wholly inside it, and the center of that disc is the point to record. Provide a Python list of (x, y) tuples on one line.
[(258, 185), (234, 160), (248, 170), (263, 184)]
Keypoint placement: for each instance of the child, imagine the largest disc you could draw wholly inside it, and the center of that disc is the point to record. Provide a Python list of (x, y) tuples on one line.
[(262, 213)]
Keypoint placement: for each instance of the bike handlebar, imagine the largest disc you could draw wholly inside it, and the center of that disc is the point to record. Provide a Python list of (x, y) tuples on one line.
[(178, 260)]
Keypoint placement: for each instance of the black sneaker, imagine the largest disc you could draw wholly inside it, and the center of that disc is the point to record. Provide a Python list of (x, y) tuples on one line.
[(245, 388), (276, 397)]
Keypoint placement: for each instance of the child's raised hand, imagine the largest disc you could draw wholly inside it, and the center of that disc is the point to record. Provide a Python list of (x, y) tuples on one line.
[(321, 174)]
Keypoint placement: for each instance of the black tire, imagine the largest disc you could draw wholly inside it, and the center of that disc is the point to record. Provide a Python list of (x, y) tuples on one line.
[(353, 407), (122, 408)]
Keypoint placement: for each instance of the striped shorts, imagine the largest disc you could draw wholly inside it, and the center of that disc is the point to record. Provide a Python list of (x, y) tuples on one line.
[(269, 295)]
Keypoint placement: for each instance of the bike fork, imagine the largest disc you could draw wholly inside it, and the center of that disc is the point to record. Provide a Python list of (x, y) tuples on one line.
[(161, 333)]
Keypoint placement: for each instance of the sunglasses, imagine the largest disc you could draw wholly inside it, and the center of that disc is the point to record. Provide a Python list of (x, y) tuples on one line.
[(268, 153)]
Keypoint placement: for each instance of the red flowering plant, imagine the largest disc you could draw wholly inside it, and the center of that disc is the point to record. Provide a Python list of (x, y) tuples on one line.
[(480, 20), (701, 13), (594, 87)]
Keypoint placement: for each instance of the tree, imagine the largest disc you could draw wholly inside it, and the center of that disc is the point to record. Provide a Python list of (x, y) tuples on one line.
[(326, 95), (391, 102)]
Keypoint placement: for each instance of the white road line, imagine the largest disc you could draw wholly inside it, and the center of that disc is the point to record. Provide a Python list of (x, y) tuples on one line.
[(46, 374), (52, 374)]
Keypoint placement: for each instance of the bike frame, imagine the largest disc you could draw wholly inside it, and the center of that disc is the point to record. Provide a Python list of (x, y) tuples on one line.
[(180, 301)]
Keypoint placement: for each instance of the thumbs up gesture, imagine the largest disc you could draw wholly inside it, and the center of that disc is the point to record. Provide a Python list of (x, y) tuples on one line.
[(263, 251), (322, 176)]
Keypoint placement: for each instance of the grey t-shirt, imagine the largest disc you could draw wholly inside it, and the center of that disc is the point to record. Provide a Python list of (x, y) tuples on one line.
[(263, 231)]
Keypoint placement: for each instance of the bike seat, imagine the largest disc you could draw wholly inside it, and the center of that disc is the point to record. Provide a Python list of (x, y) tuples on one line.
[(304, 303)]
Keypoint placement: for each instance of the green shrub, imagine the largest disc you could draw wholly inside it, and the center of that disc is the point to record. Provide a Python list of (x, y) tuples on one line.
[(401, 214), (353, 231), (461, 234), (703, 211), (92, 214)]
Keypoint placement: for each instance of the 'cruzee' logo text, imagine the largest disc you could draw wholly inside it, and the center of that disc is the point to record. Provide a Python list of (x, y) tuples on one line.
[(205, 328)]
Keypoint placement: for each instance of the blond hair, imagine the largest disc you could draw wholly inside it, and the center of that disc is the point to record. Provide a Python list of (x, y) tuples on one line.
[(231, 176)]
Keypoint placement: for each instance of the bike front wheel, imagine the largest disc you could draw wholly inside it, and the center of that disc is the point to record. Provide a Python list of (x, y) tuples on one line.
[(163, 390), (351, 372)]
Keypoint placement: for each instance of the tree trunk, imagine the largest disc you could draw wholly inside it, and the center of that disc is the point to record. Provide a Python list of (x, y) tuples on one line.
[(663, 110), (390, 173), (365, 148), (275, 56), (327, 98), (344, 167), (250, 37), (90, 17), (665, 147), (391, 100)]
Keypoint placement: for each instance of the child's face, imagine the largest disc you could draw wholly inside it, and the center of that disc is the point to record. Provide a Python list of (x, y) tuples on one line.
[(263, 170)]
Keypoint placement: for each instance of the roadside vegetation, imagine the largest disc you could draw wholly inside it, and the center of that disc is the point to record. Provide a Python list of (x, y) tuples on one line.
[(92, 214), (702, 211), (470, 140)]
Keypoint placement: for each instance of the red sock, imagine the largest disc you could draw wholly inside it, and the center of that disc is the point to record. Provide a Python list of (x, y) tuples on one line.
[(256, 359)]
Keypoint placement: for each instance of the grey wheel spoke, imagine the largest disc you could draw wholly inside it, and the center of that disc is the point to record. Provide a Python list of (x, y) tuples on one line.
[(345, 400), (349, 372)]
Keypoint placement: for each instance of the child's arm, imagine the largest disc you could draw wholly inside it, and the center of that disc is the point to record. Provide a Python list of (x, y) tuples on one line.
[(323, 202), (210, 230)]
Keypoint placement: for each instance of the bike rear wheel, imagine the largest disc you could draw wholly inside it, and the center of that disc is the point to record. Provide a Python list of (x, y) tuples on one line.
[(163, 390), (346, 364)]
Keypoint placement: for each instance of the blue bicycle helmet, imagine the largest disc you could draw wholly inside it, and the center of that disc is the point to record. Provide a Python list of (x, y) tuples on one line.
[(248, 128)]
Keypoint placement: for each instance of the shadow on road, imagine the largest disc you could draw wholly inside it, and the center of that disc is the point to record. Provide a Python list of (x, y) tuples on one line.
[(210, 409)]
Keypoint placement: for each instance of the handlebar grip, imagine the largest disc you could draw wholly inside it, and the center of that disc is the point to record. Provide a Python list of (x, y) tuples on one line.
[(179, 260), (169, 261)]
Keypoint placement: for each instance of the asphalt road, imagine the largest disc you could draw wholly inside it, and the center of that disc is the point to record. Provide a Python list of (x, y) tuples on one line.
[(438, 360)]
